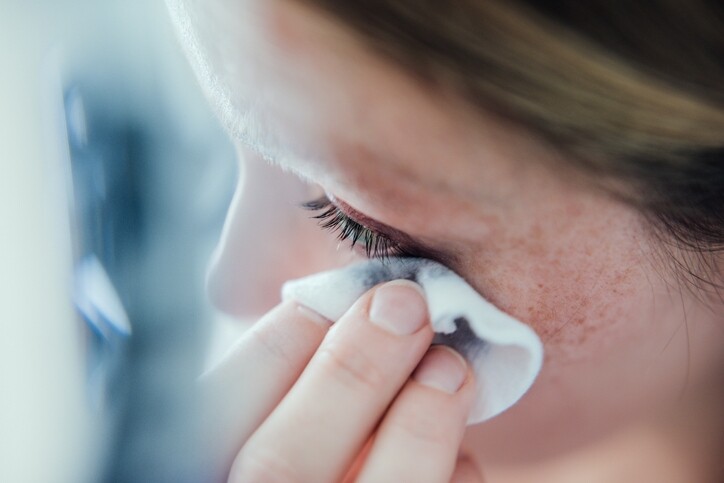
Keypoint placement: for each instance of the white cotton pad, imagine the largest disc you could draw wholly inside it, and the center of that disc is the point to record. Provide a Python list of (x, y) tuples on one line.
[(505, 354)]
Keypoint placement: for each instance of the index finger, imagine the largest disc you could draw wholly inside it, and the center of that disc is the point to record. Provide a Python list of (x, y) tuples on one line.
[(319, 427), (243, 389)]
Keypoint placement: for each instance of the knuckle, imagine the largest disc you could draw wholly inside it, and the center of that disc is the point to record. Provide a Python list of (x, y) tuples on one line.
[(255, 465), (353, 367), (425, 424), (273, 342)]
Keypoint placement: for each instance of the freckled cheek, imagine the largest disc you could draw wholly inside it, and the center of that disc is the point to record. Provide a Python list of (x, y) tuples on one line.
[(571, 318), (610, 328), (580, 280), (579, 305)]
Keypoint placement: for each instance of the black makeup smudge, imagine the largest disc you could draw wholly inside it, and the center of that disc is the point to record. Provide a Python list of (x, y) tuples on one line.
[(463, 340), (377, 272)]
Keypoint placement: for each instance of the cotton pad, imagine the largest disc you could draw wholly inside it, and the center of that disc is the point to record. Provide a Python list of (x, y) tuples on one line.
[(505, 354)]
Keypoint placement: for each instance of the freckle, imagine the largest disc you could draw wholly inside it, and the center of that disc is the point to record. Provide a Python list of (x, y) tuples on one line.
[(573, 210), (582, 337), (536, 232)]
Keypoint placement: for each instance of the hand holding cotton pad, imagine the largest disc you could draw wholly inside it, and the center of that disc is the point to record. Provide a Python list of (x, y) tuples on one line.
[(505, 354)]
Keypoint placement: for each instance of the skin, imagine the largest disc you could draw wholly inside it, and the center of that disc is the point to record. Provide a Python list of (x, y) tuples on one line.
[(623, 338), (304, 384)]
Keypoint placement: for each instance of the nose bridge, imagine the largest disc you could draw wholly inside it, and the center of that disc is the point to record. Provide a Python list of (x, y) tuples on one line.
[(266, 240)]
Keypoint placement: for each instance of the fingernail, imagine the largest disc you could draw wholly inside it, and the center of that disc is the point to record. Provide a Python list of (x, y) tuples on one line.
[(399, 307), (442, 368)]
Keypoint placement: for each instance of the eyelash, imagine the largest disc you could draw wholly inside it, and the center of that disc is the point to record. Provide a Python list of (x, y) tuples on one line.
[(376, 245)]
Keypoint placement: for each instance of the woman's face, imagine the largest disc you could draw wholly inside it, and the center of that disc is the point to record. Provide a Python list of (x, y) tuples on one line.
[(478, 193)]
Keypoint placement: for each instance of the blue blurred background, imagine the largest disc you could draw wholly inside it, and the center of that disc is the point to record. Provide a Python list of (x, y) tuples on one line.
[(115, 178)]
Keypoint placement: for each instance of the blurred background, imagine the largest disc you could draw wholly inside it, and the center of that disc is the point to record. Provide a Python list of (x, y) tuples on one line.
[(114, 181)]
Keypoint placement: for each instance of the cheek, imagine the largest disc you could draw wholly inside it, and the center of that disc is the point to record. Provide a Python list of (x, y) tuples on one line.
[(582, 282), (606, 321), (586, 300)]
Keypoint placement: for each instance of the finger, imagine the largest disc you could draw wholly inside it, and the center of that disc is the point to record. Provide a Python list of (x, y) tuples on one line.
[(466, 471), (419, 438), (318, 429), (254, 376), (354, 470)]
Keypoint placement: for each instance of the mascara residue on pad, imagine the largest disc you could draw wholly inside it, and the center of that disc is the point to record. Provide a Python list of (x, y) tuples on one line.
[(506, 355)]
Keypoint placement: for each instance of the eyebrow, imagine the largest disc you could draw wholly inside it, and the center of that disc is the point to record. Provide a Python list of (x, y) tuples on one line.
[(405, 241)]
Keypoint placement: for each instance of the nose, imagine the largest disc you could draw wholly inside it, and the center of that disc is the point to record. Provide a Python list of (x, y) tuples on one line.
[(267, 239)]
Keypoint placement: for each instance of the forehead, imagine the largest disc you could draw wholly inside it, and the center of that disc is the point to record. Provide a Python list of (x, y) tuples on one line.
[(301, 89)]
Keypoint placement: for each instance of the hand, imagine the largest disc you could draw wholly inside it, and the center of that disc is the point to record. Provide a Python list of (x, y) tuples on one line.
[(308, 403)]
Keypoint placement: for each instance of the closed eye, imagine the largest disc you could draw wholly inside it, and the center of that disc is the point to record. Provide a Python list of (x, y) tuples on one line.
[(375, 244)]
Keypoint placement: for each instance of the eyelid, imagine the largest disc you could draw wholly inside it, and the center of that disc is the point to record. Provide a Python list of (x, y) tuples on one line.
[(379, 227), (376, 244), (413, 245), (405, 245)]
